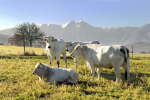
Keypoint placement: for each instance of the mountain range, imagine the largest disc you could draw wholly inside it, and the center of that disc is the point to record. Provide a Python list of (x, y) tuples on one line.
[(82, 31), (139, 47), (4, 39)]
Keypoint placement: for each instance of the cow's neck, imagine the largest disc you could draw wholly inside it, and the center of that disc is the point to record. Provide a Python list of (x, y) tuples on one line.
[(84, 53), (47, 74)]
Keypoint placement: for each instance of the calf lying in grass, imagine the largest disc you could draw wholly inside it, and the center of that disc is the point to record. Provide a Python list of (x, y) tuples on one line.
[(55, 75)]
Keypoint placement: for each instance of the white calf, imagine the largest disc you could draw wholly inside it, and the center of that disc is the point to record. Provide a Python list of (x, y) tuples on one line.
[(55, 75)]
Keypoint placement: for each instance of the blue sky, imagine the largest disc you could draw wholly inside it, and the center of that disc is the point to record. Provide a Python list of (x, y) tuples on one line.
[(101, 13)]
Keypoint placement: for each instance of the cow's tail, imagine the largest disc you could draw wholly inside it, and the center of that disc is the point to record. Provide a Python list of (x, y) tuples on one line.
[(126, 64)]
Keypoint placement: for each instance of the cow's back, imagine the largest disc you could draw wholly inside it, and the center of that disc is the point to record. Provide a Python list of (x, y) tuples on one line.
[(60, 45), (74, 44), (101, 54)]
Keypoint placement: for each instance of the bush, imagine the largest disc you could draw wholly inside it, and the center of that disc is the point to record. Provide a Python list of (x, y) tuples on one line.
[(143, 52), (30, 54)]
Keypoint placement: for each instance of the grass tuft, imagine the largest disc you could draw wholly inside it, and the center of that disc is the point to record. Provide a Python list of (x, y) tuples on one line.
[(30, 53)]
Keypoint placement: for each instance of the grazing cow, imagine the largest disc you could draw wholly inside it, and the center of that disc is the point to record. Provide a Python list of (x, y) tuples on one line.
[(99, 56), (71, 45), (54, 48), (55, 75)]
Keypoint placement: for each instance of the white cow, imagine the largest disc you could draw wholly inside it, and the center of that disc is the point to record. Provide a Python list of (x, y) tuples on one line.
[(54, 49), (55, 75), (99, 56), (71, 45)]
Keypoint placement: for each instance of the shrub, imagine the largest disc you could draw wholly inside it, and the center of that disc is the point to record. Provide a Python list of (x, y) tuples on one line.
[(143, 52), (30, 53)]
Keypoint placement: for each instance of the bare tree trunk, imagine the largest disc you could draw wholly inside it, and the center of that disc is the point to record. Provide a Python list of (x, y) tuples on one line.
[(24, 47), (30, 43), (24, 43)]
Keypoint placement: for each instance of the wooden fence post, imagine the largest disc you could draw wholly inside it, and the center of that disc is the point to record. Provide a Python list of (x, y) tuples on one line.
[(132, 52)]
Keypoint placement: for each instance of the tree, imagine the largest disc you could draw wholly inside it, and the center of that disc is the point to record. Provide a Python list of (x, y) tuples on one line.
[(33, 33), (20, 33), (24, 33), (16, 40)]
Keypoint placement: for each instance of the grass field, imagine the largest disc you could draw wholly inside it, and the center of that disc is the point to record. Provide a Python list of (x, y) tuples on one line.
[(18, 82)]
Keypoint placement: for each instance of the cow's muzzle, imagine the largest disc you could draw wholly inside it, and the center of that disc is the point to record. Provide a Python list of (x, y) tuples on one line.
[(49, 46)]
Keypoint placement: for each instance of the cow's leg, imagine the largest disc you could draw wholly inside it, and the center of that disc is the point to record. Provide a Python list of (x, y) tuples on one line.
[(76, 62), (91, 66), (117, 73), (53, 81), (93, 72), (117, 63), (65, 58), (74, 77), (71, 80), (116, 66), (98, 72), (50, 60), (58, 61)]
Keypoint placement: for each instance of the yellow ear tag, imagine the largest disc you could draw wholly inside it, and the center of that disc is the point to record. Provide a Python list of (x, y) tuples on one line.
[(70, 44), (55, 40), (81, 46), (44, 39)]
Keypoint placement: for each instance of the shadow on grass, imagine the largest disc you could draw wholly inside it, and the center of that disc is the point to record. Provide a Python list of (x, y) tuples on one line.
[(2, 80), (28, 57), (135, 78), (81, 83)]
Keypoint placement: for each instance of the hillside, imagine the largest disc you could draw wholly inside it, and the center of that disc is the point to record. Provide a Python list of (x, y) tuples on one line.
[(4, 39), (139, 47), (82, 31)]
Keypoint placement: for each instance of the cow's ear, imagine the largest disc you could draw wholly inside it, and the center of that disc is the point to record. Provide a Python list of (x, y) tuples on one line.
[(41, 66), (54, 40), (81, 46), (70, 45), (44, 39)]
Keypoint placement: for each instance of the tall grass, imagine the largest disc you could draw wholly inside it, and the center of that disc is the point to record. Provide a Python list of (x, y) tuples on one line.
[(17, 50), (6, 50), (18, 82)]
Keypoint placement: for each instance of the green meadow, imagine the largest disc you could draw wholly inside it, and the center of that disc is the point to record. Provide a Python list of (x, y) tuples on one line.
[(18, 82)]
